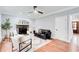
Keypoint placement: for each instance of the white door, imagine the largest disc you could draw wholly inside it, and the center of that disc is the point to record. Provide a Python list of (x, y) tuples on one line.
[(61, 28)]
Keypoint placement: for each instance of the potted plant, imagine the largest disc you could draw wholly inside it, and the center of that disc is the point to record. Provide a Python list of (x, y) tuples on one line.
[(6, 26)]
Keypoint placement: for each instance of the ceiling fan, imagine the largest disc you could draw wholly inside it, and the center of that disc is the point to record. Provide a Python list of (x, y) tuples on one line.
[(36, 11)]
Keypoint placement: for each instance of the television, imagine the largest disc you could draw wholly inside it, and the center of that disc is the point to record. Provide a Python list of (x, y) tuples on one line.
[(22, 30)]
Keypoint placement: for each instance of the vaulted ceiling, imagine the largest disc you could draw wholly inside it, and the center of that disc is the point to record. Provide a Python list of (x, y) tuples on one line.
[(23, 11)]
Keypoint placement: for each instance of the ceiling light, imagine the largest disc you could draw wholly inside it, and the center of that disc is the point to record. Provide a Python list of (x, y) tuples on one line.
[(35, 11)]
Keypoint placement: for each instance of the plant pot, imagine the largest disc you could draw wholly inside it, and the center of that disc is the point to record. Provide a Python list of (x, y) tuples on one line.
[(7, 38)]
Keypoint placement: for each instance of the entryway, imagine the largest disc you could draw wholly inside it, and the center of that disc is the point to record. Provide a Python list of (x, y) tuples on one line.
[(75, 32)]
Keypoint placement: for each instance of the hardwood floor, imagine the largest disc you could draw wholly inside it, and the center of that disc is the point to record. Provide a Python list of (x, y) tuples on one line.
[(6, 45), (55, 46)]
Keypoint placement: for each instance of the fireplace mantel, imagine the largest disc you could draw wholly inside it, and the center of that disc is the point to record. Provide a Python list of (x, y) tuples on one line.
[(22, 22)]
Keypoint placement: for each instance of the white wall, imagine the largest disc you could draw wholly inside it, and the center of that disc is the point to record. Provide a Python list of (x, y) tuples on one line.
[(0, 28), (61, 27), (70, 30), (45, 23), (49, 22)]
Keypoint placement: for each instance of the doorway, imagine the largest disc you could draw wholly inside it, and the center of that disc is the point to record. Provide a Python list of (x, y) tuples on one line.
[(75, 30), (75, 27)]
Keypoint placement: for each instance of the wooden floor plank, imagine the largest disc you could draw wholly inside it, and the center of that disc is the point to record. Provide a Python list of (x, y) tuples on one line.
[(55, 46)]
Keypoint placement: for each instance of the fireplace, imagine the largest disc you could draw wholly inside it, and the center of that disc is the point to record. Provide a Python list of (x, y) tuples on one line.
[(22, 29)]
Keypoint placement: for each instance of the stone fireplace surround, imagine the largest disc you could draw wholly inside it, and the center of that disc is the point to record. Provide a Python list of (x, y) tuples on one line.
[(22, 29)]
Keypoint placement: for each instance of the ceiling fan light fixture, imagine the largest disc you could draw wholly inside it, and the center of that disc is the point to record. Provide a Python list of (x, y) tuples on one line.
[(35, 11)]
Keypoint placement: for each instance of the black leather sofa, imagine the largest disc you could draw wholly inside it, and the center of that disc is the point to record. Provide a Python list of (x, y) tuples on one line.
[(43, 33)]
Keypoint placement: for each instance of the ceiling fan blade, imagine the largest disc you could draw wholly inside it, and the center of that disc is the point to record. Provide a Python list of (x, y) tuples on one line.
[(30, 12), (36, 11), (40, 12)]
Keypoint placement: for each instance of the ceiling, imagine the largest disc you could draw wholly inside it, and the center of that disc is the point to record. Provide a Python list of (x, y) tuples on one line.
[(22, 11)]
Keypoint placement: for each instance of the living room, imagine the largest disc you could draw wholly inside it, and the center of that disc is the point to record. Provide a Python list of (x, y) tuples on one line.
[(34, 27)]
